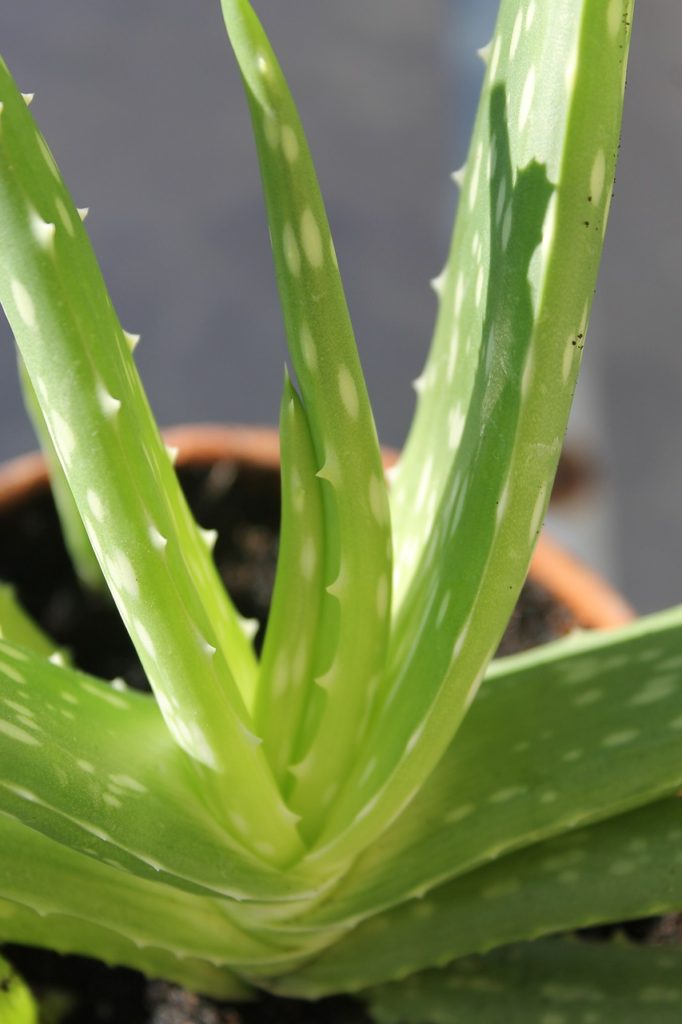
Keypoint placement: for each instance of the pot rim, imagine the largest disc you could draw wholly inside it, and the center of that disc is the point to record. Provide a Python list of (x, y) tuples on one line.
[(593, 602)]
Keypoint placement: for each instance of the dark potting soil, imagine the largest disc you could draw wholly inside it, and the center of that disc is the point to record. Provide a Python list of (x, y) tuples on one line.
[(243, 506)]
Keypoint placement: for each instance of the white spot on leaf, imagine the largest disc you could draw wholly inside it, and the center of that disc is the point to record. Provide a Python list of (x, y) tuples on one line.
[(95, 505), (377, 500), (292, 256), (13, 732), (311, 238), (527, 96), (516, 34), (619, 739), (145, 639), (63, 437), (456, 421), (122, 574), (495, 58), (308, 349), (127, 782), (290, 145), (23, 302), (349, 393), (271, 131)]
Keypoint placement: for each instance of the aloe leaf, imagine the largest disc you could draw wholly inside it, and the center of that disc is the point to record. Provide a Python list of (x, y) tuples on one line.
[(617, 870), (568, 734), (469, 500), (18, 627), (288, 653), (96, 769), (75, 535), (16, 1002), (555, 982), (154, 558), (49, 878), (71, 934), (355, 611)]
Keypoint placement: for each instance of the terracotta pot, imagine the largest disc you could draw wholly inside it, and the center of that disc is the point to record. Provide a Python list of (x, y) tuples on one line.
[(592, 602)]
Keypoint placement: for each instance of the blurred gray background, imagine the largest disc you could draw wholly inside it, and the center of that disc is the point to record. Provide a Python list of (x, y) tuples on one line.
[(142, 106)]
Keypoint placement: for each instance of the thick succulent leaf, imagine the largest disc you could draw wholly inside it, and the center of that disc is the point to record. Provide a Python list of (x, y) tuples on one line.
[(551, 982), (516, 296), (96, 769), (353, 630), (17, 627), (16, 1002), (570, 733), (73, 530), (286, 670), (153, 556), (624, 868), (534, 63), (64, 933), (48, 878)]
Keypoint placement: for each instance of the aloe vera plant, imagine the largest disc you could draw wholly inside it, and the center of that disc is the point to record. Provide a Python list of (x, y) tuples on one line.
[(373, 795)]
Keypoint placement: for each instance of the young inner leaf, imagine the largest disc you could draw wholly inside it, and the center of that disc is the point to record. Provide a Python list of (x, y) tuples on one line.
[(354, 616), (286, 672)]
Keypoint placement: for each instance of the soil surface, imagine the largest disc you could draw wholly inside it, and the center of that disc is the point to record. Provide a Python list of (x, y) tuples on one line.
[(244, 507)]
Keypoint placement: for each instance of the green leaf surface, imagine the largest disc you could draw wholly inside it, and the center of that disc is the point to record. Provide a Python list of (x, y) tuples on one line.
[(16, 1002), (618, 870), (96, 769), (73, 530), (353, 630), (473, 485), (570, 733), (153, 555), (550, 982), (286, 670), (72, 934), (17, 627), (48, 878)]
